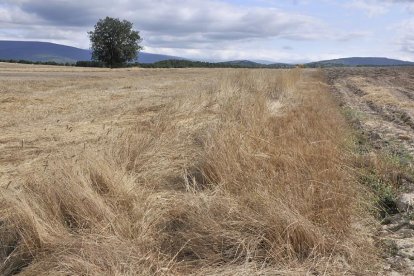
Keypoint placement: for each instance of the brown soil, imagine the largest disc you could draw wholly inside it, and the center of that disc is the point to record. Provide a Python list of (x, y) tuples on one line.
[(382, 98), (381, 102)]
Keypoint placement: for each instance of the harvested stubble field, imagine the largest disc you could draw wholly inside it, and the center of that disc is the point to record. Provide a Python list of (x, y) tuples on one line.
[(380, 105), (179, 171), (383, 98)]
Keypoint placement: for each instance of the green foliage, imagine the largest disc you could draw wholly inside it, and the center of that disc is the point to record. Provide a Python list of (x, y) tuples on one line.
[(22, 61), (173, 63), (114, 42), (88, 63), (384, 192), (386, 176), (383, 170), (178, 63)]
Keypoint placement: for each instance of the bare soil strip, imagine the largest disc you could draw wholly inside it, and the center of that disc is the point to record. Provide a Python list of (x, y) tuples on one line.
[(381, 106), (383, 97)]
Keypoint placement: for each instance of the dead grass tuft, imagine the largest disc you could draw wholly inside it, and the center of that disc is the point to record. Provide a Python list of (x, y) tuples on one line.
[(216, 183)]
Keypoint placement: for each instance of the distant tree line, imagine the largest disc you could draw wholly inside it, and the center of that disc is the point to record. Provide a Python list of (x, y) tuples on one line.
[(175, 63), (160, 64), (22, 61), (88, 63), (185, 64), (332, 65), (178, 63)]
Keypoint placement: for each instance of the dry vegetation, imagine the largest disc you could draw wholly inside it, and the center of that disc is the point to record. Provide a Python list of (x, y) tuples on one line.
[(176, 172), (382, 100), (379, 104)]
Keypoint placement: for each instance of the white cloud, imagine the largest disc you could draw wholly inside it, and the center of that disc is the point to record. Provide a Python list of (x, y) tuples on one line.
[(192, 28), (177, 23), (378, 7), (405, 35), (410, 8), (370, 7)]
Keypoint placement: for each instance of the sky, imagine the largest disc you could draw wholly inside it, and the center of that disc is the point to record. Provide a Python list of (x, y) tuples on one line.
[(279, 31)]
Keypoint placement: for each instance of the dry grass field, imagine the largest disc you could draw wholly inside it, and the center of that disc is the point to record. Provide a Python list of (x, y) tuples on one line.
[(177, 172)]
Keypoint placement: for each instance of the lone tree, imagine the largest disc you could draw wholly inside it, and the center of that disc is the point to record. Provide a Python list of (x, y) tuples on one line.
[(114, 42)]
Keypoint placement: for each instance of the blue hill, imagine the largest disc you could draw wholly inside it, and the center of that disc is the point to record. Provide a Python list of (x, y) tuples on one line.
[(45, 51), (361, 61)]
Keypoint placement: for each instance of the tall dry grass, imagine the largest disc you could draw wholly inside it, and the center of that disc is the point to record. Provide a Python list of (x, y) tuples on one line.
[(248, 175)]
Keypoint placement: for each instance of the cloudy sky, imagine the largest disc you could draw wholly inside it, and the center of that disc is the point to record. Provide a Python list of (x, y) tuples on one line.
[(278, 30)]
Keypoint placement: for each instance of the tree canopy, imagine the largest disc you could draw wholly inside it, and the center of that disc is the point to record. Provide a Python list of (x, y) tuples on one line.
[(114, 42)]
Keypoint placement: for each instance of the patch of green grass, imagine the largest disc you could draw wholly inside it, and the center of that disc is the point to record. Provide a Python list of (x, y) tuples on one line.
[(382, 170), (385, 172), (400, 156), (352, 114), (384, 194)]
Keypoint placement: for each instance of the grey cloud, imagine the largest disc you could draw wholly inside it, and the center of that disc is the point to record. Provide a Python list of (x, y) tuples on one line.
[(404, 37), (377, 7), (60, 13), (208, 20), (188, 25), (407, 38), (408, 45), (64, 12)]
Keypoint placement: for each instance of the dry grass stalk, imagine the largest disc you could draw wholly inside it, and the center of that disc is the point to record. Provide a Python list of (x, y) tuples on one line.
[(216, 183)]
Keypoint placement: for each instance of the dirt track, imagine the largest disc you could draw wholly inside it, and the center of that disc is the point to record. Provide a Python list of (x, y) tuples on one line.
[(382, 99), (381, 104)]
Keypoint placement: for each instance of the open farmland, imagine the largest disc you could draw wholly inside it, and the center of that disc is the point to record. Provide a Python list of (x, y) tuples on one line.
[(57, 110), (380, 105), (384, 99), (179, 171)]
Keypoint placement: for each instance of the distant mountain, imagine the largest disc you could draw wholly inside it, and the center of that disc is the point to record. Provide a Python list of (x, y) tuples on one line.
[(242, 63), (360, 61), (171, 63), (152, 58), (41, 51), (45, 51), (262, 61), (252, 64), (280, 65)]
